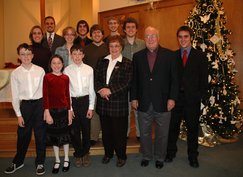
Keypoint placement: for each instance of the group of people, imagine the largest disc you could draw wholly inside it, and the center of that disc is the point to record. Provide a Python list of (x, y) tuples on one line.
[(69, 88)]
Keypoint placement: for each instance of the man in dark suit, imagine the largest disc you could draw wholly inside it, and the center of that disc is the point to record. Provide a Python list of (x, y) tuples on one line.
[(193, 77), (51, 40), (153, 94)]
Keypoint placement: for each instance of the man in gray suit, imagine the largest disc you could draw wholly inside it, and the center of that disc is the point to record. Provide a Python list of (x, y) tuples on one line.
[(153, 94), (51, 39)]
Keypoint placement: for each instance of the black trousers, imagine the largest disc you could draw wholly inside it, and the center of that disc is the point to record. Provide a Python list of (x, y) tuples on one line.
[(190, 112), (114, 135), (80, 123), (32, 113)]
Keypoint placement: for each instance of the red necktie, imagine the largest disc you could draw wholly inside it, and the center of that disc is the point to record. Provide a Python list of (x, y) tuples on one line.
[(49, 41), (184, 58), (82, 43)]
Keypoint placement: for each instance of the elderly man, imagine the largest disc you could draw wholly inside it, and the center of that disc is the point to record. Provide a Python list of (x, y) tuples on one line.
[(153, 93)]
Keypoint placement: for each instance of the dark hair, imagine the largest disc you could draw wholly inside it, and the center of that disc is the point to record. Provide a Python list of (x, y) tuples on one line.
[(82, 22), (116, 38), (76, 47), (129, 20), (31, 33), (55, 56), (185, 28), (24, 46), (50, 17), (96, 27)]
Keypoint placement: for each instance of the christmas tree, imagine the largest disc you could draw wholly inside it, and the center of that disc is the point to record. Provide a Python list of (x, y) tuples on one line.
[(220, 110)]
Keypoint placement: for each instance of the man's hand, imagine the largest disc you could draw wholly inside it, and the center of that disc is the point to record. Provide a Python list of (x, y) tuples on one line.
[(21, 121), (135, 104), (170, 104)]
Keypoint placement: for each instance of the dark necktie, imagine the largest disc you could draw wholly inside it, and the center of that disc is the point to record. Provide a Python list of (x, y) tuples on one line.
[(50, 41), (82, 43), (184, 58)]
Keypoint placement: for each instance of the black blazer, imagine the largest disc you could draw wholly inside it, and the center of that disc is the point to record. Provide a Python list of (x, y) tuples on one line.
[(154, 87), (58, 41), (193, 77), (119, 84)]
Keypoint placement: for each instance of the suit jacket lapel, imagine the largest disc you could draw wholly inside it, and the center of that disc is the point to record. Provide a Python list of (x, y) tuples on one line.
[(115, 70), (104, 71)]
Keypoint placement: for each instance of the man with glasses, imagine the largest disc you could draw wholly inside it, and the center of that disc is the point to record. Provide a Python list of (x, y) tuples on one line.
[(153, 94)]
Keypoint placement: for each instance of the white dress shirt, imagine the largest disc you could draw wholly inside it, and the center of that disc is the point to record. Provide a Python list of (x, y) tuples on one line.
[(111, 66), (81, 82), (26, 85)]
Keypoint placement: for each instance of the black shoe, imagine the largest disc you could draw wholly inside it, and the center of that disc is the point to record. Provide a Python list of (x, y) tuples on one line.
[(138, 138), (13, 168), (106, 160), (66, 168), (159, 164), (93, 142), (169, 159), (194, 163), (120, 162), (40, 170), (56, 170), (144, 163)]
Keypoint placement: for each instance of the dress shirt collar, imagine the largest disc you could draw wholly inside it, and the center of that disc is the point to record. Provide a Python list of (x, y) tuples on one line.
[(188, 50), (119, 58), (52, 34)]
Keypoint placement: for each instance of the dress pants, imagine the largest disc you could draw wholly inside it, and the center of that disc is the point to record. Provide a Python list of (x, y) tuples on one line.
[(80, 123), (114, 136), (32, 113), (190, 112), (161, 121), (136, 121)]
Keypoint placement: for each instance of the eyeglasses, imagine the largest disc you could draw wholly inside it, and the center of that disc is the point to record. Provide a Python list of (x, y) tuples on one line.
[(150, 36), (69, 34), (114, 46)]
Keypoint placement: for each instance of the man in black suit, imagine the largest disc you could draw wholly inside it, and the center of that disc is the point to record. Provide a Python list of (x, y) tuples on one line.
[(51, 40), (193, 74), (153, 94)]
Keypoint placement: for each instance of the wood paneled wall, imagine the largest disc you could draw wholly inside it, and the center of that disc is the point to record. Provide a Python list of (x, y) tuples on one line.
[(168, 15)]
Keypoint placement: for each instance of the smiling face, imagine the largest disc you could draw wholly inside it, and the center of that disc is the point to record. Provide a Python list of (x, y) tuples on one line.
[(77, 57), (37, 35), (97, 36), (69, 36), (115, 49), (56, 65), (130, 29), (82, 29), (184, 39), (50, 25), (151, 37), (25, 56), (113, 25)]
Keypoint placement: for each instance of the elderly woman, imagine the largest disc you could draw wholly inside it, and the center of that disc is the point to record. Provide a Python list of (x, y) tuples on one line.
[(69, 35), (113, 75)]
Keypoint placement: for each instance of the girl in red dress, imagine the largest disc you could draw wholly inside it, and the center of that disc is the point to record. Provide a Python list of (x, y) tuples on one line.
[(57, 110)]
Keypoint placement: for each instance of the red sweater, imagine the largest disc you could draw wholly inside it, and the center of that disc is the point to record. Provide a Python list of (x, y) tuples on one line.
[(56, 91)]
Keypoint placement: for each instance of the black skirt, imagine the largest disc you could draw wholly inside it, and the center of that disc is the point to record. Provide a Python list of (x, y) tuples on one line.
[(58, 132)]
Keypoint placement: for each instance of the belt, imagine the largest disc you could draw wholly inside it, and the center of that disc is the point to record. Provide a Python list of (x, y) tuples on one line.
[(79, 97), (31, 101)]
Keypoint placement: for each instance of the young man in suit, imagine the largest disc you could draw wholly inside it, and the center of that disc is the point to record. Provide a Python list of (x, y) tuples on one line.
[(192, 73), (51, 39), (153, 94)]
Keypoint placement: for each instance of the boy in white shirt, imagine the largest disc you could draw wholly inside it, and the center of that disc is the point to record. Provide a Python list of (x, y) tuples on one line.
[(83, 99), (26, 87)]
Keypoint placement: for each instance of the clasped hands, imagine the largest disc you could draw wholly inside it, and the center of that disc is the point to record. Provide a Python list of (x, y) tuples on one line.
[(105, 93)]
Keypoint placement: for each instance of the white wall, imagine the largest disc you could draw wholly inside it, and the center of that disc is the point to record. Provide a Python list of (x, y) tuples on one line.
[(114, 4)]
